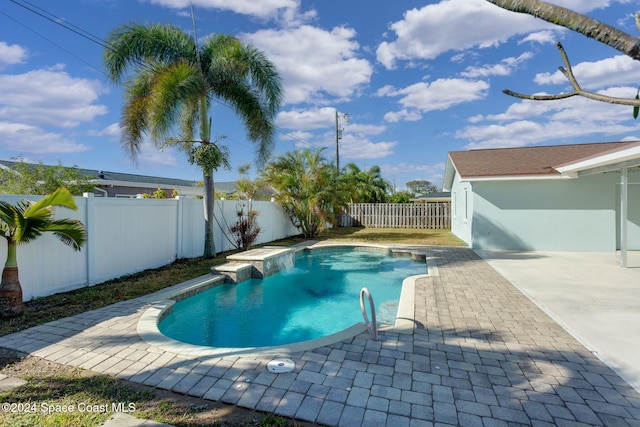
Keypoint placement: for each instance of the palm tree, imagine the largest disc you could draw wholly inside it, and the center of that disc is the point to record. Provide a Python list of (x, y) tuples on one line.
[(304, 184), (23, 223), (365, 186), (171, 81)]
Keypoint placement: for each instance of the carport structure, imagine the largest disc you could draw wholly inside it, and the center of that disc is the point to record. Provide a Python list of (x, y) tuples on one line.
[(623, 160)]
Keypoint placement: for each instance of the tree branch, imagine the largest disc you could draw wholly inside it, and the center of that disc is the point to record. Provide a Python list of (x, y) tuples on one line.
[(577, 90), (575, 21)]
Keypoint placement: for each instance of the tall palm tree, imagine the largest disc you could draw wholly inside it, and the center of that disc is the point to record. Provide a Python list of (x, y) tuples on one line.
[(170, 82), (23, 223), (304, 184)]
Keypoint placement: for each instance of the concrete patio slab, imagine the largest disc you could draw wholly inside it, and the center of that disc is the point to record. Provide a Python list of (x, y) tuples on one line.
[(589, 294)]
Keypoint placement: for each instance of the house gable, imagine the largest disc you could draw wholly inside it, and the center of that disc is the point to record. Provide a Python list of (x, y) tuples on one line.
[(546, 198), (523, 162)]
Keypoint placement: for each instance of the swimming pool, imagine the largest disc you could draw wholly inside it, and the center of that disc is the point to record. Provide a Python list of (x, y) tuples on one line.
[(316, 298)]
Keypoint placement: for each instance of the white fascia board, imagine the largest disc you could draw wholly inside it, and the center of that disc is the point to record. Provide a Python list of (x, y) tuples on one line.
[(450, 172), (513, 178), (571, 170)]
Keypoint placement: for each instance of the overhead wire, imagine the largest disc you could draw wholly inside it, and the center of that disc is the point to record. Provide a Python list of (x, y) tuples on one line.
[(25, 4)]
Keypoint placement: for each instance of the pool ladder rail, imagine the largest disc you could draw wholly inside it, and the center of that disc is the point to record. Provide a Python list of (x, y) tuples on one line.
[(371, 326)]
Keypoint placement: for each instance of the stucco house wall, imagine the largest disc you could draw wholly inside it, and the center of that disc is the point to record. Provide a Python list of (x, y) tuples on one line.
[(461, 209), (577, 214), (580, 214)]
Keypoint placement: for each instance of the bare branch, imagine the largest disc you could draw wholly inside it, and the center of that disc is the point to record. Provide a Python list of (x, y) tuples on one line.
[(539, 97), (575, 21), (568, 70), (578, 91)]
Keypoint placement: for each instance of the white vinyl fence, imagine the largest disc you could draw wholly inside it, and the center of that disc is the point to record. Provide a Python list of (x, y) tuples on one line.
[(126, 236)]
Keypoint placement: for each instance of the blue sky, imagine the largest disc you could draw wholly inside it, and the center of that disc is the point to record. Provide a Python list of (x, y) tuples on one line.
[(417, 78)]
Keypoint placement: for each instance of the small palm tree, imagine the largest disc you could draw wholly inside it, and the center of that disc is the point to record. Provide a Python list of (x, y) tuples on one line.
[(305, 185), (25, 222), (365, 187)]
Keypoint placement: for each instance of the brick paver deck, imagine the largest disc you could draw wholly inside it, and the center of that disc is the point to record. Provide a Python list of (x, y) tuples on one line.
[(481, 354)]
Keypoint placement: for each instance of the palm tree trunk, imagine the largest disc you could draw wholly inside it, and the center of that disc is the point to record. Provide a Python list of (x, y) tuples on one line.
[(209, 200), (207, 181), (10, 290)]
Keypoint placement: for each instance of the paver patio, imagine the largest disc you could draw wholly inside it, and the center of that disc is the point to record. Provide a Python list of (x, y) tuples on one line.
[(480, 354)]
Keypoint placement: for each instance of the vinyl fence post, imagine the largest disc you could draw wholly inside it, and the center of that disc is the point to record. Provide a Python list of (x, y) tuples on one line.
[(90, 246), (179, 226)]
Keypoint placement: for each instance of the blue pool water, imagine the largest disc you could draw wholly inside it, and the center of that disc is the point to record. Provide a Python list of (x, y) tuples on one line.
[(318, 297)]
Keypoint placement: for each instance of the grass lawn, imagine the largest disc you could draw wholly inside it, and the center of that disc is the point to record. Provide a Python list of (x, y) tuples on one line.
[(52, 384)]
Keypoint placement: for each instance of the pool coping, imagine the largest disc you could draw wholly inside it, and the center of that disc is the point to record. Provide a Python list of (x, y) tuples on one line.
[(147, 327)]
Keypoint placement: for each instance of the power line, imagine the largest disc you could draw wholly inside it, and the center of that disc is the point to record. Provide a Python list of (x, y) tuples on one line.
[(52, 42), (61, 22), (99, 41)]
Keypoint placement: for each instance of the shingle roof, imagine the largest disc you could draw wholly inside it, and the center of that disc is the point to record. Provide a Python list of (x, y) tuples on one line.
[(225, 187), (526, 161)]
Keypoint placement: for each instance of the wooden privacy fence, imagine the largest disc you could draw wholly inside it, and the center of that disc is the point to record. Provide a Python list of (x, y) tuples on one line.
[(398, 215)]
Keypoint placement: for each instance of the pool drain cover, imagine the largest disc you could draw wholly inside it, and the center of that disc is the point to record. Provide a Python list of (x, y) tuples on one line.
[(280, 366)]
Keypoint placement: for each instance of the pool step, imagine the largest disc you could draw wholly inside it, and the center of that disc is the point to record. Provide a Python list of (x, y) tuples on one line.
[(234, 272)]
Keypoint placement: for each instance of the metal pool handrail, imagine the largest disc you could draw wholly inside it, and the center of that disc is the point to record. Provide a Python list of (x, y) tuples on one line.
[(371, 326)]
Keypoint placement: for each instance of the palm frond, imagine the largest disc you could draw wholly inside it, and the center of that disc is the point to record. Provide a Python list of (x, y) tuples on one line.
[(176, 85), (8, 215), (70, 232), (247, 105), (42, 209), (134, 46), (264, 76)]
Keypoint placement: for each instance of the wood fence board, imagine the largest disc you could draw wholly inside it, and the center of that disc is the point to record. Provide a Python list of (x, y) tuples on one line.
[(398, 215)]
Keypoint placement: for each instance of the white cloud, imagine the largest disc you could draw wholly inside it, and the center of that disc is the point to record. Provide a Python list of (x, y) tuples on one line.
[(363, 148), (437, 95), (354, 144), (22, 138), (618, 70), (314, 62), (113, 131), (11, 54), (262, 8), (151, 156), (541, 37), (364, 129), (504, 68), (452, 25), (457, 25), (401, 173), (315, 118), (534, 122), (402, 116), (51, 97)]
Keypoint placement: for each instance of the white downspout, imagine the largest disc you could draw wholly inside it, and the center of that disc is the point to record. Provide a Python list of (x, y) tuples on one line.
[(623, 217)]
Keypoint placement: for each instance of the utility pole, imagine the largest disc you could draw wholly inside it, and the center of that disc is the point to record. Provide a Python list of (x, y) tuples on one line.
[(345, 117)]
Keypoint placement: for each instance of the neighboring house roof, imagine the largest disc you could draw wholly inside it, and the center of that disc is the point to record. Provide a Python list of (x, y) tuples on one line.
[(437, 196), (142, 181), (526, 162)]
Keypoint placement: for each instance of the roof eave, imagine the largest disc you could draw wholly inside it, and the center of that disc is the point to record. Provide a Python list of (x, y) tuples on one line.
[(615, 160), (449, 174), (545, 177)]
